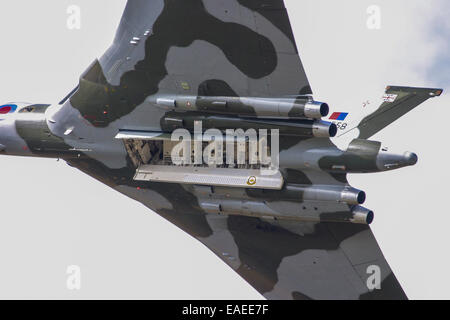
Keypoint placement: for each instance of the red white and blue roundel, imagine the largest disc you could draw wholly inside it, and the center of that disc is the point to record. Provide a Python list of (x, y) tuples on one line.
[(8, 108)]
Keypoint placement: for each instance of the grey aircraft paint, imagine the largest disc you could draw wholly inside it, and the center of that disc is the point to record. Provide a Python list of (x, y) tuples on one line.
[(231, 64)]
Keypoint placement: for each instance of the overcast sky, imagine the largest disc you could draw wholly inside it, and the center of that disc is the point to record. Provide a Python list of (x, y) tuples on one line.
[(53, 216)]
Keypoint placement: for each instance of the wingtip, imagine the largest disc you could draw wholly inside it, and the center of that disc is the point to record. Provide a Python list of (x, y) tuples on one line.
[(434, 92)]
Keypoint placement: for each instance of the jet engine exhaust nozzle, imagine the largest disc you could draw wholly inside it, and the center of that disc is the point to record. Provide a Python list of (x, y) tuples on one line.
[(353, 196), (316, 110), (324, 129), (362, 215)]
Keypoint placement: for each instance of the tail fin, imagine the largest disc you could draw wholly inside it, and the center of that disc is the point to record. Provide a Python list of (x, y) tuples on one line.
[(397, 101)]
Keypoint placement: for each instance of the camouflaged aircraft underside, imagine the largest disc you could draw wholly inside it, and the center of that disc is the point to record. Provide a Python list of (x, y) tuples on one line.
[(297, 233)]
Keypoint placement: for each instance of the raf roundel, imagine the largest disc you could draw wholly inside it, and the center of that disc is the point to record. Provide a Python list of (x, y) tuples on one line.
[(8, 108)]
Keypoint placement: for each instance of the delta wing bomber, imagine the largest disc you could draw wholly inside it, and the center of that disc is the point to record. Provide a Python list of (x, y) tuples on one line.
[(202, 111)]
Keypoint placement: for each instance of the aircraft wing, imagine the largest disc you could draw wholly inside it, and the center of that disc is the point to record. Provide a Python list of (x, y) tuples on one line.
[(285, 259), (215, 47), (281, 259), (304, 260)]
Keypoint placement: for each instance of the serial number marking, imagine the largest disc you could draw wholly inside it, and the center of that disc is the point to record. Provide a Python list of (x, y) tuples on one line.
[(341, 125), (247, 309)]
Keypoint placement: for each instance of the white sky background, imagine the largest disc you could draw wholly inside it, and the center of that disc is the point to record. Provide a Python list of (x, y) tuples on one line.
[(53, 216)]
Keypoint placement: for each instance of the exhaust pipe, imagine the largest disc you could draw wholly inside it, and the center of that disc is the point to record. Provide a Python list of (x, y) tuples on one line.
[(259, 209), (292, 192), (324, 129), (289, 108), (330, 193), (362, 215), (316, 110)]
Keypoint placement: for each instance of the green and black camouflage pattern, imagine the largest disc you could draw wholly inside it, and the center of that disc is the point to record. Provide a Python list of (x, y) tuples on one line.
[(224, 51)]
